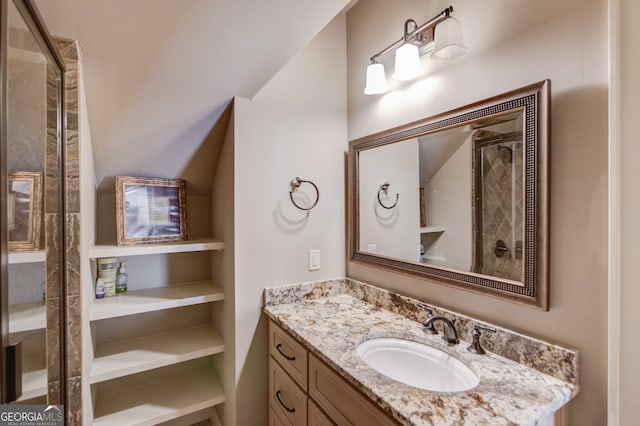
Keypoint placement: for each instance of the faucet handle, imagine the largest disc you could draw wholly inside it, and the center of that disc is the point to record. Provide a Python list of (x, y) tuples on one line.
[(475, 347), (430, 329)]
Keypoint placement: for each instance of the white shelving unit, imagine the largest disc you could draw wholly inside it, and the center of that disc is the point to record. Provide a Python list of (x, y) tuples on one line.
[(155, 299), (159, 401), (110, 250), (27, 317), (34, 384), (36, 256), (167, 385), (132, 356)]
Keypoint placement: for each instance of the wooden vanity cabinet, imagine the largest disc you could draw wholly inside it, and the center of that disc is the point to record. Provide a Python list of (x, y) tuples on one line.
[(303, 390)]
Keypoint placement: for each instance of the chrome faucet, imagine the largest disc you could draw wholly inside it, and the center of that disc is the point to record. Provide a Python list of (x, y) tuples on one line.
[(450, 333)]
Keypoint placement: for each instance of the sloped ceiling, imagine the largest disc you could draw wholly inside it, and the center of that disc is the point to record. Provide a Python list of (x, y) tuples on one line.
[(159, 73)]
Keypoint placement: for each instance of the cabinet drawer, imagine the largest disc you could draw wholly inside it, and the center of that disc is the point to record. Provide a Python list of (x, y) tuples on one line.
[(317, 417), (285, 397), (341, 401), (291, 355)]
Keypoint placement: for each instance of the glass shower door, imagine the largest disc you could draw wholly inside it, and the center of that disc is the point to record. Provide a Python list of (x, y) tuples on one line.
[(32, 273)]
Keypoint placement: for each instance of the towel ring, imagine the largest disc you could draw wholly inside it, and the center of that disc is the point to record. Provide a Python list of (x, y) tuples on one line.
[(295, 184), (384, 187)]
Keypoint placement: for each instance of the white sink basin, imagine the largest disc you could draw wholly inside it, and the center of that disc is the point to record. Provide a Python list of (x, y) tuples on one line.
[(417, 364)]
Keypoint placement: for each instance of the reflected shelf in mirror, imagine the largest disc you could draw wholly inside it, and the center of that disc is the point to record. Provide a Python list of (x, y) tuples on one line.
[(432, 229)]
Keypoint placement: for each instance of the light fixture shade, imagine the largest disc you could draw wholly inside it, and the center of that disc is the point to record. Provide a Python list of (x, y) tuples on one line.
[(448, 43), (376, 80), (407, 62)]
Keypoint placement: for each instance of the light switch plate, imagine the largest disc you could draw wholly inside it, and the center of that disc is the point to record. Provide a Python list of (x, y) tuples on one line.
[(314, 260)]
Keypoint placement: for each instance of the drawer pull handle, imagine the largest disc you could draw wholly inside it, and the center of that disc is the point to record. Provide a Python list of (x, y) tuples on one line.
[(290, 358), (291, 410)]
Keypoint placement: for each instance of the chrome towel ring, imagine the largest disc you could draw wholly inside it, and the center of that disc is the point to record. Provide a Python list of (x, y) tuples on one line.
[(295, 184), (384, 187)]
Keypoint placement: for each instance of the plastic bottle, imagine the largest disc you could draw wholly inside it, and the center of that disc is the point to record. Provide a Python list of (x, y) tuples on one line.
[(121, 279), (100, 288)]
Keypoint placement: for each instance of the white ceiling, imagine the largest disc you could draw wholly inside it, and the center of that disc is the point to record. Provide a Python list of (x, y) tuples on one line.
[(159, 73)]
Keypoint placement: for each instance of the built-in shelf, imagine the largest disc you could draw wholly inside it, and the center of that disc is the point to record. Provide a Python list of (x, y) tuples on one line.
[(155, 299), (112, 250), (36, 256), (34, 384), (27, 317), (132, 356), (432, 229), (160, 401)]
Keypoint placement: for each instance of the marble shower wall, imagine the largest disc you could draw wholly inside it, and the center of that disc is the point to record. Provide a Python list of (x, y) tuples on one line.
[(68, 49)]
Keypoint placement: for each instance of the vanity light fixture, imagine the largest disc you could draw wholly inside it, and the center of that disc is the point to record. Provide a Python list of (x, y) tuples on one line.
[(441, 35), (376, 79)]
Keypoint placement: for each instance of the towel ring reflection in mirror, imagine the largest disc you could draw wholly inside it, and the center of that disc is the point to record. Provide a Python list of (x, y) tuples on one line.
[(384, 187), (295, 184)]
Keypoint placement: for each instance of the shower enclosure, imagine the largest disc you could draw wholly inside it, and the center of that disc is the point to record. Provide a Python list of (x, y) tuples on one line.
[(31, 210), (499, 204)]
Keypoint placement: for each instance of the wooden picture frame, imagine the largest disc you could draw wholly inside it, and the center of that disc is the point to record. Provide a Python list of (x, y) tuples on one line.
[(24, 210), (150, 210)]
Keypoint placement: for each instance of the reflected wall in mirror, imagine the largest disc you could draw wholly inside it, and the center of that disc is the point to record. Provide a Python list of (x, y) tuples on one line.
[(471, 189)]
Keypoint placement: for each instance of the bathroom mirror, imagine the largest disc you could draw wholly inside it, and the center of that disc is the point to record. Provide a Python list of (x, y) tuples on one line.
[(460, 198)]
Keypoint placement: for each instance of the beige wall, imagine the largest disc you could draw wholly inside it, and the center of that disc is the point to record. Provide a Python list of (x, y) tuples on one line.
[(295, 126), (513, 43), (627, 210)]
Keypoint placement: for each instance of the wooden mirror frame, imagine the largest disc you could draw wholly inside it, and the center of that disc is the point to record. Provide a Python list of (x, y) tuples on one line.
[(534, 290)]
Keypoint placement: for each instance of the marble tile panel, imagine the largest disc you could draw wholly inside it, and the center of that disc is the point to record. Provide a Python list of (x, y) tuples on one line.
[(54, 392), (53, 339), (74, 336), (73, 254), (74, 403), (52, 283), (67, 48)]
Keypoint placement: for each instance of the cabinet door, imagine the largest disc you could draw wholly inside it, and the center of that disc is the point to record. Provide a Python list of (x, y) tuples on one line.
[(285, 397), (345, 404), (317, 417)]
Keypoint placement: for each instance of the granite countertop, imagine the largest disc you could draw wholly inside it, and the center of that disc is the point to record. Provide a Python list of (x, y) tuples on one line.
[(332, 318)]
